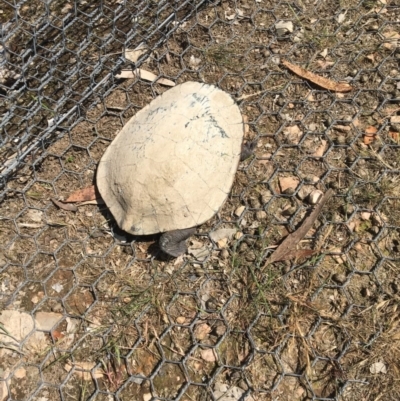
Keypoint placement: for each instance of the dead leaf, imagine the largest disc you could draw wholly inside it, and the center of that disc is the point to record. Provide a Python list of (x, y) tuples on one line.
[(370, 135), (318, 80), (321, 149), (286, 183), (287, 249), (84, 194), (146, 75), (208, 355), (134, 54), (65, 206)]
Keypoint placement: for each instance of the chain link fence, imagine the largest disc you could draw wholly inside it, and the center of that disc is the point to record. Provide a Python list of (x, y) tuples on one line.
[(92, 313)]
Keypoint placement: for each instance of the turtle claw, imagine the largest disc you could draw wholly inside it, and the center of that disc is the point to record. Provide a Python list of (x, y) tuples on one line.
[(174, 242), (248, 149)]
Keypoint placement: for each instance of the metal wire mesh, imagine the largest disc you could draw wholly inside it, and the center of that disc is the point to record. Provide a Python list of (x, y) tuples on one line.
[(92, 313)]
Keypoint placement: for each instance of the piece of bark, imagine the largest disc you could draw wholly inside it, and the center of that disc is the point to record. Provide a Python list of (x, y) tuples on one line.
[(84, 195), (317, 79), (287, 249)]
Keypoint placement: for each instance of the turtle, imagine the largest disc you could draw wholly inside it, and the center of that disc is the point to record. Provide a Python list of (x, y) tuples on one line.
[(172, 165)]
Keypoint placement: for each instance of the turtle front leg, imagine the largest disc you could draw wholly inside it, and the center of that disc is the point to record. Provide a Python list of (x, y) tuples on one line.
[(248, 149), (174, 242)]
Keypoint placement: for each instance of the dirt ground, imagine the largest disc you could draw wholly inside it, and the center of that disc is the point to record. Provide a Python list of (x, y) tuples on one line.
[(91, 312)]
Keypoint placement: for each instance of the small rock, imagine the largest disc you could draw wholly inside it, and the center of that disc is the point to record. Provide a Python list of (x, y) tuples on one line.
[(284, 27), (374, 230), (18, 325), (57, 287), (238, 235), (180, 320), (211, 305), (35, 299), (3, 385), (222, 243), (220, 329), (319, 152), (250, 256), (196, 244), (34, 215), (288, 184), (2, 261), (20, 373), (303, 192), (222, 392), (376, 220), (365, 216), (146, 397), (340, 278), (239, 211), (223, 233), (261, 215), (255, 203), (199, 253), (341, 140), (347, 209), (57, 307), (266, 197), (208, 355), (315, 196), (194, 62), (47, 320), (224, 254), (201, 331)]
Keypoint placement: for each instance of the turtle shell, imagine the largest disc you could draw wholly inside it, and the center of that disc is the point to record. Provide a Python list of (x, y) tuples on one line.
[(173, 164)]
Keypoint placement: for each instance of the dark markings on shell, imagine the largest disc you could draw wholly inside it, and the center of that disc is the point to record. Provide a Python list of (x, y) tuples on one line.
[(209, 120), (158, 110)]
